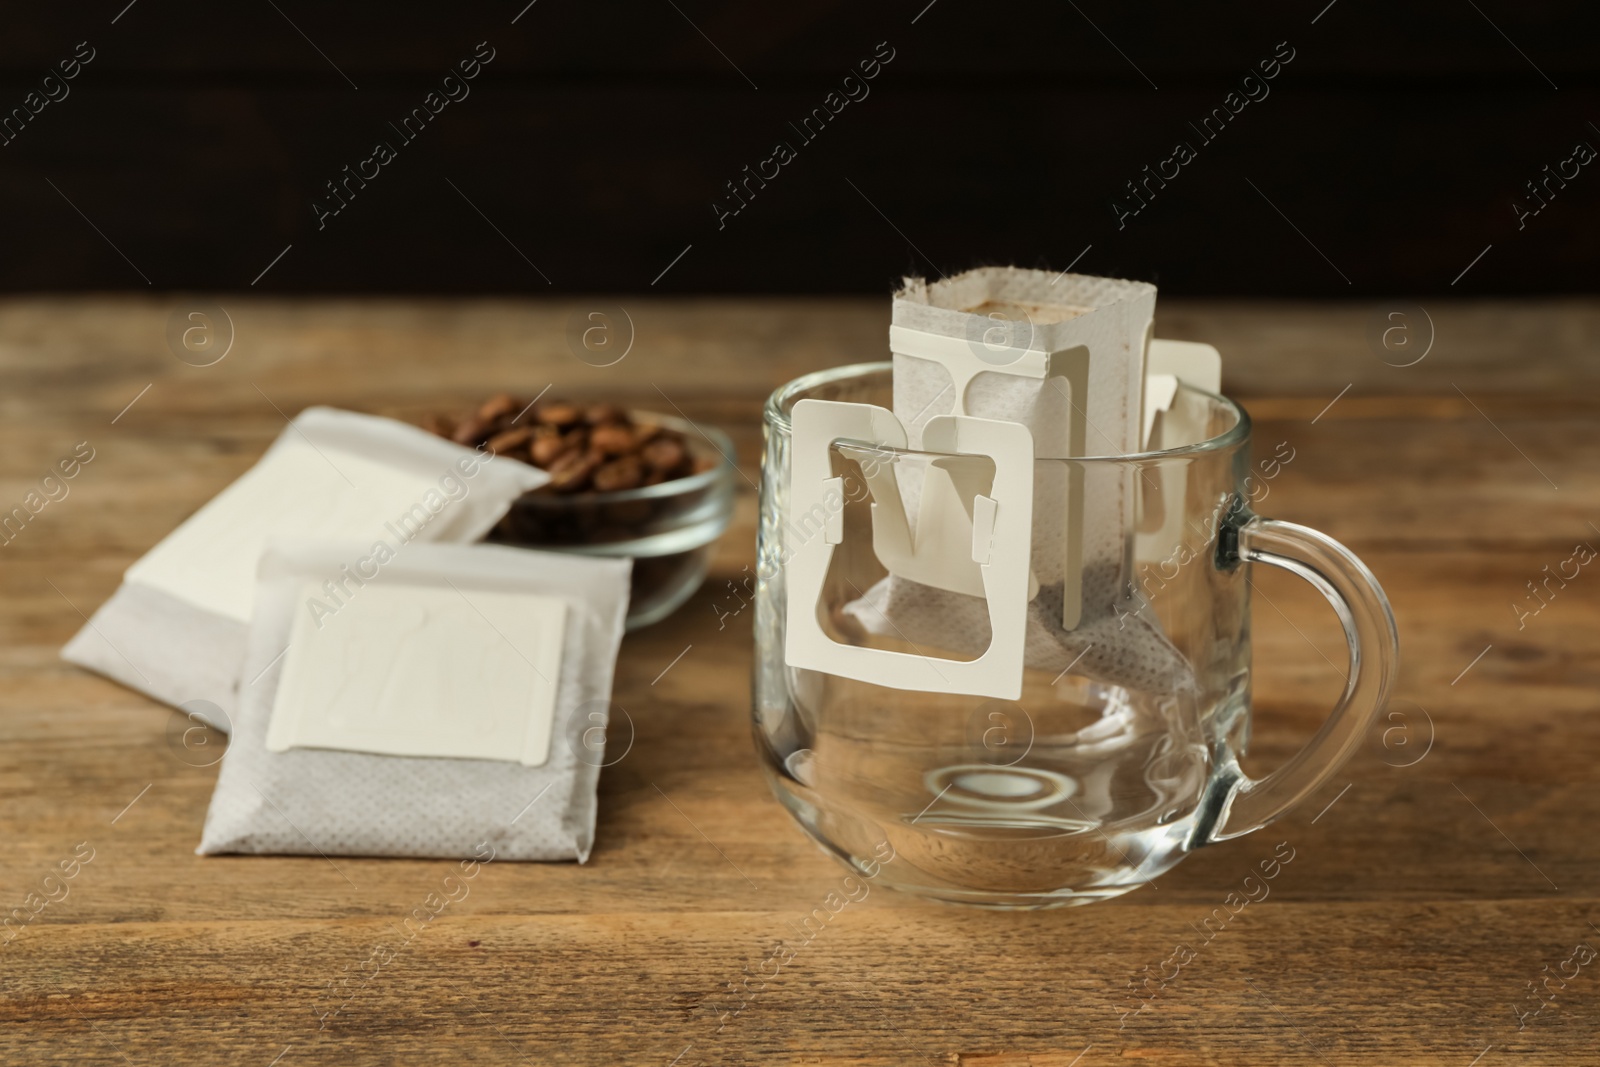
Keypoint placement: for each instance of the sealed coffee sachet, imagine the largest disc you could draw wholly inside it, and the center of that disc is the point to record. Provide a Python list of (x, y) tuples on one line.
[(459, 695), (175, 628), (1065, 356)]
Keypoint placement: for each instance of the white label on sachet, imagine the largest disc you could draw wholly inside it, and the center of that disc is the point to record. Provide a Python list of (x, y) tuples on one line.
[(421, 670)]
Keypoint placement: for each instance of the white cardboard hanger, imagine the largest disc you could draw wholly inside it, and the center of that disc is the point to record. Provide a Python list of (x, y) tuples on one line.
[(999, 528), (1168, 363)]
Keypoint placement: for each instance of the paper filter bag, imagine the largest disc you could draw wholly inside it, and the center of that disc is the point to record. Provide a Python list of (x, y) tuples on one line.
[(1088, 403), (176, 627)]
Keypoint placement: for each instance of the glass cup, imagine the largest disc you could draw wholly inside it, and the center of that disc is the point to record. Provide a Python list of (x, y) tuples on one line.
[(1121, 755)]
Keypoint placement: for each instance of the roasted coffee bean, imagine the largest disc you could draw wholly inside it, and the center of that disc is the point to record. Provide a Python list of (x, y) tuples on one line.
[(499, 406), (613, 439), (663, 454), (557, 413), (619, 474), (576, 439), (571, 472), (546, 446), (470, 432), (510, 440), (602, 414)]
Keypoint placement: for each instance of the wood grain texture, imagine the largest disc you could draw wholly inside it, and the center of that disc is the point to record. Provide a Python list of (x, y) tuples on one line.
[(1419, 904)]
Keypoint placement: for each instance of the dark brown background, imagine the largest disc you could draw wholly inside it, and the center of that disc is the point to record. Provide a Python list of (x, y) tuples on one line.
[(597, 139)]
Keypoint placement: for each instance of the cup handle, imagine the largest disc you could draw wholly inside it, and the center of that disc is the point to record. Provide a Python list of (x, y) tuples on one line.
[(1246, 803)]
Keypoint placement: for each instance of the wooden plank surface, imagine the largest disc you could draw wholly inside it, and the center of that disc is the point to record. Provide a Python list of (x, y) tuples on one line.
[(1431, 882)]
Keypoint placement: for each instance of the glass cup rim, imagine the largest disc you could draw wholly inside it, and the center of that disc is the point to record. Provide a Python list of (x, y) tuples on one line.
[(775, 415)]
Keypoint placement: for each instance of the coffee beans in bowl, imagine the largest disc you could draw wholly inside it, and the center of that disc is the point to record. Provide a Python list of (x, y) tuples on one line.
[(654, 488)]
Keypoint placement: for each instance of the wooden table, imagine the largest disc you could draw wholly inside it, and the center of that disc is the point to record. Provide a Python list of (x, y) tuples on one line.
[(1450, 866)]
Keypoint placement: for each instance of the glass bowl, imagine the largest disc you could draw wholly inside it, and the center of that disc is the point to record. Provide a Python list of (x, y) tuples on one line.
[(668, 530)]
